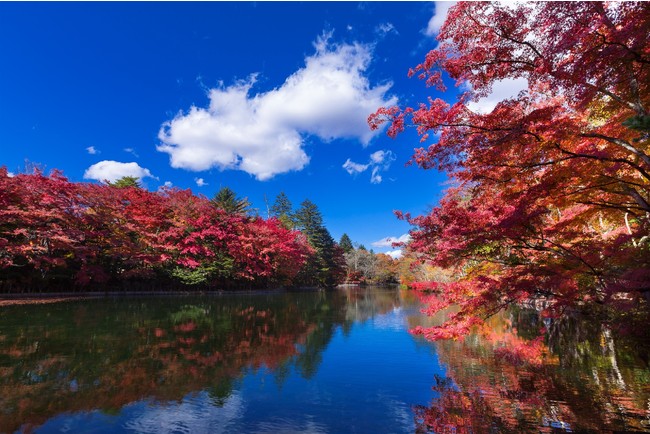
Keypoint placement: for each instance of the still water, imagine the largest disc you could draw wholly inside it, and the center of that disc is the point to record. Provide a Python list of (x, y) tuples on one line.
[(308, 362)]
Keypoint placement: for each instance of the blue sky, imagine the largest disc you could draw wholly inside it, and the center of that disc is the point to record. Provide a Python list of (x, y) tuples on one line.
[(261, 97)]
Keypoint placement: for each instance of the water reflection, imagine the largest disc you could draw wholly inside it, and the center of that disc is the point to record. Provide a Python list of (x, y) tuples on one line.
[(312, 362), (104, 354), (573, 375)]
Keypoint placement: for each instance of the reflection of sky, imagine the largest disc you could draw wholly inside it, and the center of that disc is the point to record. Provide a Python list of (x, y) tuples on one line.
[(196, 413), (393, 320), (368, 381)]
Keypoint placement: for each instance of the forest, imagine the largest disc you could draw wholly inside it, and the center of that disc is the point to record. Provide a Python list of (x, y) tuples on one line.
[(57, 235)]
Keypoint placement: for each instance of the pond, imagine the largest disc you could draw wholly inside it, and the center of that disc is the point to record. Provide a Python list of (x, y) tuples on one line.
[(311, 362)]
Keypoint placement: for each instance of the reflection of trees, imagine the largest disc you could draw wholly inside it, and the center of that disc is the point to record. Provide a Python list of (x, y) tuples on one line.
[(579, 375), (104, 354), (366, 302)]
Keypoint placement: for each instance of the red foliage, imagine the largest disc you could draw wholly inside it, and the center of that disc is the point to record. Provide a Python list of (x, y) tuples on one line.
[(553, 189), (54, 231), (424, 286), (271, 250)]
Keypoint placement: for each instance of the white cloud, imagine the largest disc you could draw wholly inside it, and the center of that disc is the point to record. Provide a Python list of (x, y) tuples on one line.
[(375, 177), (168, 184), (108, 170), (440, 12), (386, 28), (92, 151), (389, 241), (395, 254), (354, 168), (263, 134), (379, 161), (200, 182), (131, 151), (380, 156), (11, 174), (501, 90)]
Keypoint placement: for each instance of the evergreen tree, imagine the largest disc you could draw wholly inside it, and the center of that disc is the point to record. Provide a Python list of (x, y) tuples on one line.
[(282, 209), (308, 218), (227, 200), (346, 243), (326, 266), (125, 182)]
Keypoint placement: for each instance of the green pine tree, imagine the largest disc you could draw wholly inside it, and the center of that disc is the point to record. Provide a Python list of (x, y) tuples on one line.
[(126, 182), (282, 209), (308, 218), (346, 243), (227, 200), (325, 267)]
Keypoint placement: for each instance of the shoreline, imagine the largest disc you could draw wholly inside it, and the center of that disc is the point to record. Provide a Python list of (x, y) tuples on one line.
[(37, 300), (17, 299)]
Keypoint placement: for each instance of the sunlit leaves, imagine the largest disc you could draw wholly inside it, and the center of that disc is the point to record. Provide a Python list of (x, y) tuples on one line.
[(552, 191)]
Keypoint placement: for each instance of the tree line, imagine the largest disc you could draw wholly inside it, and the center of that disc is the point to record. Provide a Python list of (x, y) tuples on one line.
[(57, 235), (364, 266)]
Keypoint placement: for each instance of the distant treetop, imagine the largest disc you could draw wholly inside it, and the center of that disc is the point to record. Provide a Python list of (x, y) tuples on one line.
[(126, 182), (227, 200)]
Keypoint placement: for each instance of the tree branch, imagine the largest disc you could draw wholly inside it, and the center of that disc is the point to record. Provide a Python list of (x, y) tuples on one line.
[(611, 160)]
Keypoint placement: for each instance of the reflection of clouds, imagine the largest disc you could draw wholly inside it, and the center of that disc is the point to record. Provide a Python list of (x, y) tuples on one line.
[(195, 414), (290, 426), (400, 411), (394, 320), (366, 304)]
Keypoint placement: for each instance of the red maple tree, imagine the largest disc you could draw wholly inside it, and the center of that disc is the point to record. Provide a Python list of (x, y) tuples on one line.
[(54, 233), (552, 194)]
